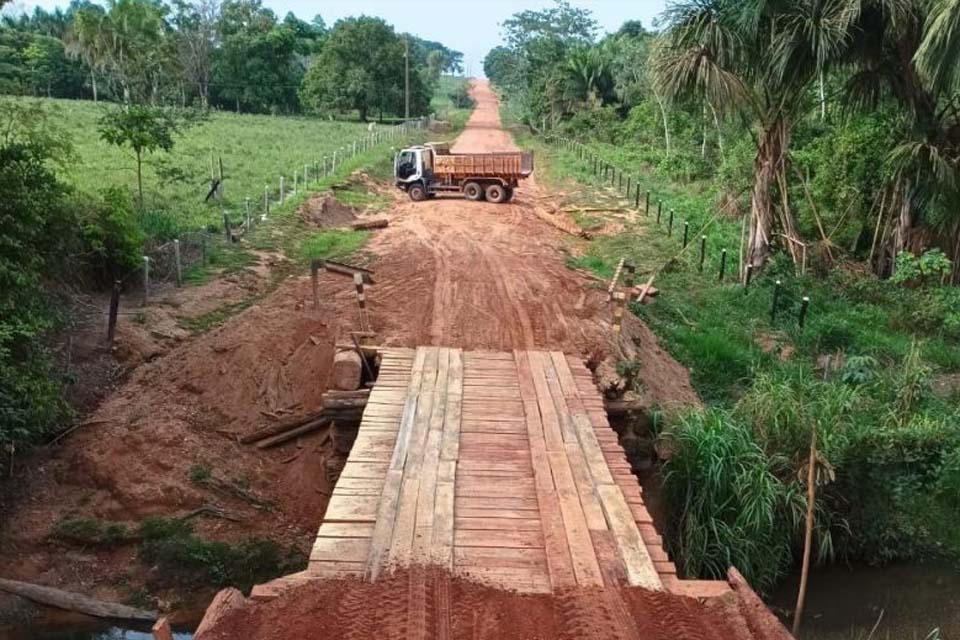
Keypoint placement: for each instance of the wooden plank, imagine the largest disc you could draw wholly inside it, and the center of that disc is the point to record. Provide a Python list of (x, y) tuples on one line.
[(636, 559), (499, 502), (514, 539), (548, 415), (452, 420), (559, 564), (596, 463), (490, 555), (558, 401), (582, 554), (592, 510), (444, 520), (496, 524), (345, 530), (426, 500), (341, 549), (364, 470), (404, 530), (351, 509)]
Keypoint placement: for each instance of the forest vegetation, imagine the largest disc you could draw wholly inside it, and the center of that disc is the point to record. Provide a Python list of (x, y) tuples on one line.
[(818, 140)]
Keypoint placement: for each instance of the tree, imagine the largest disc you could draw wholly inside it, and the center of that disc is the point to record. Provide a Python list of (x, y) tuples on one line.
[(87, 39), (757, 60), (361, 67), (196, 40), (143, 129)]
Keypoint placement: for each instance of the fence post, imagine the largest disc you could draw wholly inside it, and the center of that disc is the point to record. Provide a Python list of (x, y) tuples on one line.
[(686, 233), (775, 303), (146, 279), (748, 276), (618, 304), (281, 189), (176, 261), (333, 162), (631, 271), (703, 251), (659, 210), (306, 178), (226, 226), (646, 207), (723, 264), (246, 207), (115, 308), (628, 185), (636, 200), (670, 224), (314, 268), (804, 304)]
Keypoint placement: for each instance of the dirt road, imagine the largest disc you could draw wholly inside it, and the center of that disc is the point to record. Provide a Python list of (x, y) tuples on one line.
[(481, 275), (448, 272)]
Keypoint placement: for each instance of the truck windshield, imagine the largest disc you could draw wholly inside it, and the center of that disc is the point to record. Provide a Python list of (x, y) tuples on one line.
[(406, 166)]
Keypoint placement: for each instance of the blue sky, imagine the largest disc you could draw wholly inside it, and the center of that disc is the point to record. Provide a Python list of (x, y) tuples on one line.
[(471, 26)]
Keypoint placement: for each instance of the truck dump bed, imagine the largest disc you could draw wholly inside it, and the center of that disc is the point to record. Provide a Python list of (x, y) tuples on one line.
[(516, 164)]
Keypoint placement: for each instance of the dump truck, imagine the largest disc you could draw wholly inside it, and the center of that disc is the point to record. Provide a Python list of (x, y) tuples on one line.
[(423, 171)]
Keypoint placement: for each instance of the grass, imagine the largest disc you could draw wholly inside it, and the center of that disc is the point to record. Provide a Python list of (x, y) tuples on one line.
[(731, 483), (332, 244), (255, 150)]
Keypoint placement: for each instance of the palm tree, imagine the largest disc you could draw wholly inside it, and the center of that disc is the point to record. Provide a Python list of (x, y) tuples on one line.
[(756, 59), (87, 40), (906, 50)]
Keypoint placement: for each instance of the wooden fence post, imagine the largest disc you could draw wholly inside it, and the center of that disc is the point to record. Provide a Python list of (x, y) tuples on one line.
[(146, 279), (114, 309), (226, 227), (176, 261), (804, 305), (670, 224), (659, 210), (723, 263)]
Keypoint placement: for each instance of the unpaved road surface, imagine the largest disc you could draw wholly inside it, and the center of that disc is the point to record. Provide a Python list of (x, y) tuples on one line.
[(447, 271), (478, 275)]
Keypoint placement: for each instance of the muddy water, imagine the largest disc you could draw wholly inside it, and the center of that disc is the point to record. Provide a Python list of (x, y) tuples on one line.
[(844, 603)]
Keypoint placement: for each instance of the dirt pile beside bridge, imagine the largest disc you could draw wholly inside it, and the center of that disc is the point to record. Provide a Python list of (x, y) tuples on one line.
[(430, 603)]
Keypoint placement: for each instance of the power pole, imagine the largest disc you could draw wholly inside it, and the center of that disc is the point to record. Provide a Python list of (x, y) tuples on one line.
[(406, 78)]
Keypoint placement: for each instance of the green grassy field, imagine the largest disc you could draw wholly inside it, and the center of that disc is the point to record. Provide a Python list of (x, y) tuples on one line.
[(255, 151)]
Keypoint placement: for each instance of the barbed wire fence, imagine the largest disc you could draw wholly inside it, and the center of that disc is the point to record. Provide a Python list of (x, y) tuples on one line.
[(165, 265), (695, 241)]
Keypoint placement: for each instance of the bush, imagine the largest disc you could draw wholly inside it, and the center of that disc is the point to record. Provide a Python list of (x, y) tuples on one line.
[(90, 531), (185, 559), (111, 237)]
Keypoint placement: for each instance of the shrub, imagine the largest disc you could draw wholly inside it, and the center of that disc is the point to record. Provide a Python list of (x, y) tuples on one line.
[(183, 558), (111, 237), (90, 531)]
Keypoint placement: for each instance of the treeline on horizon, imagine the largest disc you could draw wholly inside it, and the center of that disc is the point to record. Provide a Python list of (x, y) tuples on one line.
[(234, 55), (830, 123)]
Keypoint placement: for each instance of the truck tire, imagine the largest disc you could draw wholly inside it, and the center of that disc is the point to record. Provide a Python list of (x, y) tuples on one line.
[(417, 193), (509, 194), (496, 193), (473, 191)]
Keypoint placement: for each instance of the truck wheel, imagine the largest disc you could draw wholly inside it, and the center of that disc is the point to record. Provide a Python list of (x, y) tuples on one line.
[(417, 193), (496, 193), (473, 191), (509, 194)]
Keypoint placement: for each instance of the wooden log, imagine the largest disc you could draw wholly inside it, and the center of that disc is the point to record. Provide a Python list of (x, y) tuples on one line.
[(294, 433), (345, 403), (375, 223), (368, 351), (348, 270), (279, 427), (162, 630), (347, 371), (341, 395), (75, 602)]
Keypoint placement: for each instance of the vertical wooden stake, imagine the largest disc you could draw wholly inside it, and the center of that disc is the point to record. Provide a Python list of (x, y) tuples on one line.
[(220, 188), (670, 224), (636, 200), (775, 302), (226, 227), (703, 251), (748, 276), (314, 269), (659, 210), (723, 264), (361, 300), (203, 248), (281, 189), (646, 208), (146, 279), (804, 305), (114, 309), (294, 192), (686, 233), (628, 185), (628, 278), (176, 261), (618, 306)]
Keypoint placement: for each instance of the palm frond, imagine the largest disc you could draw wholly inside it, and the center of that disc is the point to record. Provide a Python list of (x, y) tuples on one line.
[(938, 57)]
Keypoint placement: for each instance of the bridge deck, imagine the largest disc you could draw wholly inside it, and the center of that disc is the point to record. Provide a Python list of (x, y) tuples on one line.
[(497, 465)]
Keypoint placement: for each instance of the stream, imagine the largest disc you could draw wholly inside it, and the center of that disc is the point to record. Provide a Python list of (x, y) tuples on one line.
[(844, 603)]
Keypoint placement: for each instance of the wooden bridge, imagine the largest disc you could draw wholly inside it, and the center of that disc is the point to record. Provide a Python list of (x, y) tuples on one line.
[(500, 466)]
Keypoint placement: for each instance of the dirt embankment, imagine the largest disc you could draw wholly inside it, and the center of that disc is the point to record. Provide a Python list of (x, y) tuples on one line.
[(431, 604), (447, 271)]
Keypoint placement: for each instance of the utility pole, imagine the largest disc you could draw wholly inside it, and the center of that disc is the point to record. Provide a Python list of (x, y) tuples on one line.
[(406, 78)]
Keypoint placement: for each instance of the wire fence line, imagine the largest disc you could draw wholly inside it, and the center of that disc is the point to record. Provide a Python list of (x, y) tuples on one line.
[(166, 264), (782, 301)]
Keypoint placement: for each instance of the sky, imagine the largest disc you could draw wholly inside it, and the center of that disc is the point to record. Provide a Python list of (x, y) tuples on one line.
[(470, 26)]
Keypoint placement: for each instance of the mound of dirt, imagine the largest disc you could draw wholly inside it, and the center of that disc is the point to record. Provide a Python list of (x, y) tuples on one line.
[(429, 603), (326, 211)]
